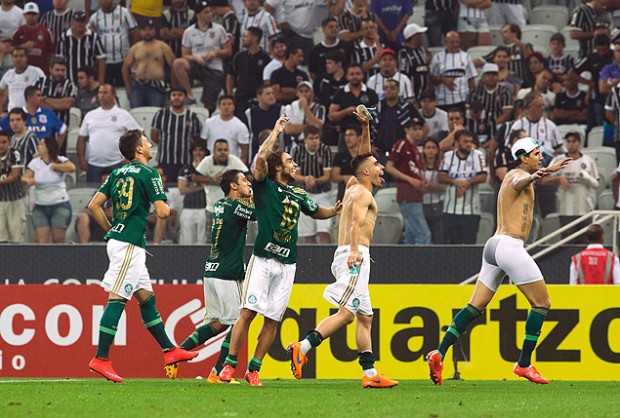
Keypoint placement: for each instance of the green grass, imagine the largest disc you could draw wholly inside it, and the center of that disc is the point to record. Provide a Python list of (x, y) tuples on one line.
[(305, 398)]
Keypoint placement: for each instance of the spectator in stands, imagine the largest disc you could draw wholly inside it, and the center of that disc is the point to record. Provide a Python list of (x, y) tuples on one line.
[(210, 171), (144, 11), (558, 61), (504, 12), (224, 14), (58, 92), (368, 50), (174, 129), (571, 105), (499, 162), (472, 23), (42, 121), (14, 82), (434, 193), (256, 16), (341, 171), (176, 19), (227, 125), (11, 18), (36, 38), (347, 98), (579, 181), (82, 47), (610, 73), (330, 43), (86, 228), (440, 17), (262, 136), (612, 115), (436, 119), (193, 219), (583, 24), (505, 77), (51, 214), (461, 213), (478, 121), (246, 70), (205, 45), (116, 28), (297, 19), (262, 115), (391, 17), (278, 53), (495, 98), (518, 52), (97, 146), (542, 87), (388, 70), (615, 187), (414, 59), (314, 165), (453, 74), (302, 113), (456, 123), (144, 69), (58, 20), (325, 87), (285, 79), (12, 196), (25, 142), (535, 65), (595, 264), (88, 89), (406, 165), (350, 21)]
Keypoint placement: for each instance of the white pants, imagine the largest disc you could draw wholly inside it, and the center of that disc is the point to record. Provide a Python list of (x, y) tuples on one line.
[(222, 300), (127, 271), (13, 221), (267, 287), (193, 224), (309, 226), (351, 287)]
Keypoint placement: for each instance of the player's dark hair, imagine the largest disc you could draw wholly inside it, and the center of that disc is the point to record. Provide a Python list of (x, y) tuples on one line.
[(52, 148), (358, 161), (128, 143), (311, 130), (274, 160), (88, 70), (594, 234), (18, 111), (354, 127), (30, 91), (229, 176), (5, 134)]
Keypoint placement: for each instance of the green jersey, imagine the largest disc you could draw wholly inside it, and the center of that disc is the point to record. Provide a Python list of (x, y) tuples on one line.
[(277, 209), (230, 227), (132, 188)]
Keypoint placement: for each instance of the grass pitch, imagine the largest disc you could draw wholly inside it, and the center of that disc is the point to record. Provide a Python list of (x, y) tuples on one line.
[(305, 398)]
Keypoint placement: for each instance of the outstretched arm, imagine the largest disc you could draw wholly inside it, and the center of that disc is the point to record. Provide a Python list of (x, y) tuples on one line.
[(261, 170), (364, 120), (326, 213)]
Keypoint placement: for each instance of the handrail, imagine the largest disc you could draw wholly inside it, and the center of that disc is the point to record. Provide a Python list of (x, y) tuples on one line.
[(606, 215)]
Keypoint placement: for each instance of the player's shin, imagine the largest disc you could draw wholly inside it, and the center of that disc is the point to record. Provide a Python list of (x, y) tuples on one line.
[(154, 324), (457, 327), (533, 325), (108, 325), (198, 337), (219, 364)]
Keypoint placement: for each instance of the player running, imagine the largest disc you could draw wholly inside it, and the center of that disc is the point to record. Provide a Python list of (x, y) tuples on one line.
[(225, 267), (132, 189), (503, 254), (351, 266)]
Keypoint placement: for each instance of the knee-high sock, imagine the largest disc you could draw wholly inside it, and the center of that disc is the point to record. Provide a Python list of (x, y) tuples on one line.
[(198, 337), (153, 322), (219, 364), (108, 324), (533, 325), (458, 325)]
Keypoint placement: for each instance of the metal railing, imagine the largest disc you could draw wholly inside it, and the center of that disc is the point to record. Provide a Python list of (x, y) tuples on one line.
[(600, 217)]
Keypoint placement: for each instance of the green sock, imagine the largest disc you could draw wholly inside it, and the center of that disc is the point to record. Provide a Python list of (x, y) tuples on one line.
[(458, 325), (366, 360), (198, 337), (219, 364), (533, 325), (108, 324), (231, 360), (153, 322), (314, 338), (254, 364)]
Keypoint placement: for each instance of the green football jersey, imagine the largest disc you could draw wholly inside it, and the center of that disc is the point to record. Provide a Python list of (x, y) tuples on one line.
[(230, 227), (132, 188), (277, 209)]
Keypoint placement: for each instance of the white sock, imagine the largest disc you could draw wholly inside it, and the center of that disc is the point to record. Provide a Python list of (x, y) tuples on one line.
[(305, 346), (370, 372)]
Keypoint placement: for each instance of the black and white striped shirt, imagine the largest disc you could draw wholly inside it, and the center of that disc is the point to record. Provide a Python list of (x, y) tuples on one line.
[(26, 146), (262, 20), (516, 64), (440, 5), (314, 164), (80, 52), (10, 192), (458, 65), (494, 102), (177, 20), (58, 24), (560, 65), (416, 65), (176, 134), (232, 26), (462, 169), (362, 53), (350, 22), (57, 90), (584, 18), (113, 29)]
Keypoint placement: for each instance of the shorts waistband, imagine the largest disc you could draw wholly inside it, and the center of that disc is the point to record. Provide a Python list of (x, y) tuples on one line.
[(362, 249), (508, 237)]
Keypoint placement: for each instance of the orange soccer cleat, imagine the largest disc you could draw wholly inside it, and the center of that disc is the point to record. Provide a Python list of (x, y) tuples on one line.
[(177, 355), (298, 359), (378, 381), (252, 378), (530, 373), (226, 373), (215, 379), (104, 368), (171, 370), (435, 365)]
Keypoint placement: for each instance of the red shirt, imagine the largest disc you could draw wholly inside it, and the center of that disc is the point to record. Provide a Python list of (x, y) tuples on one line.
[(594, 266), (39, 55), (408, 160)]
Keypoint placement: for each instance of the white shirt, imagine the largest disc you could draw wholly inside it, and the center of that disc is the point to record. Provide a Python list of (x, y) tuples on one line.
[(201, 42), (573, 276), (17, 83), (234, 131), (273, 65), (377, 81), (103, 129), (208, 168), (582, 175), (299, 14), (262, 20), (50, 187), (438, 122), (453, 64), (10, 21)]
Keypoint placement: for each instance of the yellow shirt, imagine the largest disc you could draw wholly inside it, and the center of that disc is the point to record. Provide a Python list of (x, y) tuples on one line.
[(149, 8)]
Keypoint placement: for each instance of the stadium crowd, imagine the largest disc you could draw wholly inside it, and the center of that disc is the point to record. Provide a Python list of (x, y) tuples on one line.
[(452, 84)]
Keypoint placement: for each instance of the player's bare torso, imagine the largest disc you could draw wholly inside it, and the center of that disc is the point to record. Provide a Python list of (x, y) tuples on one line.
[(515, 210), (357, 192)]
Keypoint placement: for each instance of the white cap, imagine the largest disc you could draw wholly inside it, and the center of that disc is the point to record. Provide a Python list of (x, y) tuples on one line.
[(31, 8), (412, 29), (490, 68), (523, 147), (305, 83)]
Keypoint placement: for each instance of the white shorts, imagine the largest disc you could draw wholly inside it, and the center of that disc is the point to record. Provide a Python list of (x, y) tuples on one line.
[(309, 226), (127, 271), (222, 300), (351, 287), (267, 287), (504, 255), (473, 24)]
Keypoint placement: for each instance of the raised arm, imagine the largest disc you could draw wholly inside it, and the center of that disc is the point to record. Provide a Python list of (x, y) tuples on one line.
[(260, 172), (363, 118)]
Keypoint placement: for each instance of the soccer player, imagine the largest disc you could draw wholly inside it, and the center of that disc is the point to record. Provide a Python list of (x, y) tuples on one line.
[(271, 270), (351, 267), (132, 188), (225, 268), (504, 253)]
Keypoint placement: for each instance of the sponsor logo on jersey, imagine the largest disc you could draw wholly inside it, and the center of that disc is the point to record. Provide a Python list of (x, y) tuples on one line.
[(211, 266)]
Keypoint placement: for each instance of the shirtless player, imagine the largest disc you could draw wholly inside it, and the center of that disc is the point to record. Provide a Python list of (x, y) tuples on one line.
[(351, 267), (504, 254)]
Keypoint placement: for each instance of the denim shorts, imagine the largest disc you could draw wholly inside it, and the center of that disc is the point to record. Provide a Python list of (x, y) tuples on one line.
[(52, 216)]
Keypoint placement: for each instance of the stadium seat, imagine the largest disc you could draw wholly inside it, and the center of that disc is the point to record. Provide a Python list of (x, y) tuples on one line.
[(487, 201), (386, 201), (603, 182), (564, 129), (605, 158), (197, 93), (70, 180), (606, 200), (144, 116), (121, 98), (76, 5), (538, 35), (201, 112), (553, 15), (595, 137), (480, 51), (550, 224), (318, 35), (570, 42), (388, 229), (418, 15), (75, 118), (72, 137), (485, 229)]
